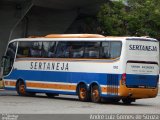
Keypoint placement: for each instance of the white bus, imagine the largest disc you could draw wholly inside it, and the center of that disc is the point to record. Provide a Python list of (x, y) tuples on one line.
[(88, 65)]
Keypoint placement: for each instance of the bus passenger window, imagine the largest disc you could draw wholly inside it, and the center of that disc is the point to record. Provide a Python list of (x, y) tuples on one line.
[(77, 50), (36, 49), (23, 49), (70, 49), (111, 49), (62, 51), (105, 50), (48, 49), (92, 50), (115, 49), (29, 49)]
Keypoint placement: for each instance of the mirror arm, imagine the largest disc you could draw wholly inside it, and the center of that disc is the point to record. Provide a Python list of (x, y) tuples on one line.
[(1, 73)]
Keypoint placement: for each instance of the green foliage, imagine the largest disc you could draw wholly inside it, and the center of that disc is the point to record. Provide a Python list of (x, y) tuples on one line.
[(111, 17), (137, 17)]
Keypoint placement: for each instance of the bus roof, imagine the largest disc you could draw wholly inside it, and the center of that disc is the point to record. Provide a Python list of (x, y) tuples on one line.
[(89, 36), (74, 36), (84, 37)]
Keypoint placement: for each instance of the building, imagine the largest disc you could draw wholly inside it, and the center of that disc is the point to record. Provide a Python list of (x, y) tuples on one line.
[(23, 18)]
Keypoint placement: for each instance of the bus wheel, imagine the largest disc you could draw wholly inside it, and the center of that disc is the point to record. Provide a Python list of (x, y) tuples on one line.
[(127, 101), (95, 94), (21, 88), (51, 95), (83, 93)]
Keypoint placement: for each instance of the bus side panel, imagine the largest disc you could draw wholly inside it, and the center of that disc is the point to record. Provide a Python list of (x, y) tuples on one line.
[(62, 77), (63, 82)]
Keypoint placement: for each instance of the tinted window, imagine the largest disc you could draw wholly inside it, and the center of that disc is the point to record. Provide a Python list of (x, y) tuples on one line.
[(105, 50), (24, 49), (11, 50), (48, 49), (36, 49), (92, 50), (63, 50), (70, 49), (77, 49), (9, 58), (115, 50), (111, 49)]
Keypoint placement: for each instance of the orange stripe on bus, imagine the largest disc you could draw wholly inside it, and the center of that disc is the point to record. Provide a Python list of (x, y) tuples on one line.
[(59, 86), (51, 86), (109, 90), (10, 83)]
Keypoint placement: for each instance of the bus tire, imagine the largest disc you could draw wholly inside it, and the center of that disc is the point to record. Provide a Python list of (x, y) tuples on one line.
[(21, 89), (83, 93), (95, 94), (51, 95)]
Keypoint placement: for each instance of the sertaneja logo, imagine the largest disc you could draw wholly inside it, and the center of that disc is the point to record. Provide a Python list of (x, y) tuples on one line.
[(143, 47), (49, 66)]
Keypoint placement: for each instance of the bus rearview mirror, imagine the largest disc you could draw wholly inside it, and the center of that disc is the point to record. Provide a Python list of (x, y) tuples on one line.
[(1, 73), (1, 78)]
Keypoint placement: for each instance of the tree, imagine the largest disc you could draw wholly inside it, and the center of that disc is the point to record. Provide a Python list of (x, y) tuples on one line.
[(136, 17), (112, 18)]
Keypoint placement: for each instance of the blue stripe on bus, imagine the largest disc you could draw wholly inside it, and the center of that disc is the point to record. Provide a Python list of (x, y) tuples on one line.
[(9, 88), (71, 77), (76, 77), (144, 80)]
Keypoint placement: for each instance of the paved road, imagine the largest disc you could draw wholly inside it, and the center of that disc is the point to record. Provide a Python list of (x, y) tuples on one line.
[(10, 102)]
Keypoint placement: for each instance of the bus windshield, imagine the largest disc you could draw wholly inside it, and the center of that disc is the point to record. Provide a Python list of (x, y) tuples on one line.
[(8, 59)]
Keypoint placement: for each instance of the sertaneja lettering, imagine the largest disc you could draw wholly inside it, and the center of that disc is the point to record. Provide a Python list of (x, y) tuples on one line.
[(57, 66), (142, 47)]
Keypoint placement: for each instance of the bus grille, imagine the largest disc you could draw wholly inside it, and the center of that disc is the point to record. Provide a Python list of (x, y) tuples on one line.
[(112, 84)]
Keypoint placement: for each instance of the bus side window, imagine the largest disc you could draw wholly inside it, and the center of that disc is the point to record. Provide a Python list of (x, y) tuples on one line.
[(23, 49), (48, 49), (111, 49), (36, 49), (70, 50), (62, 50), (115, 49), (105, 53), (92, 50), (77, 50)]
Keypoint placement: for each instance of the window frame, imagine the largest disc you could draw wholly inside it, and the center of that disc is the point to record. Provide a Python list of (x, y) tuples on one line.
[(84, 49)]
